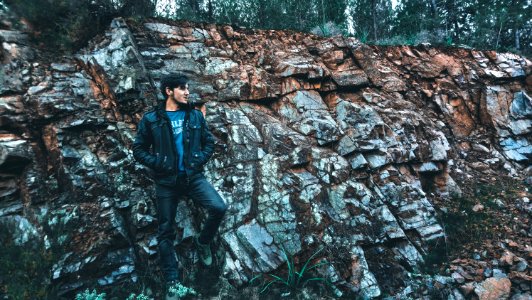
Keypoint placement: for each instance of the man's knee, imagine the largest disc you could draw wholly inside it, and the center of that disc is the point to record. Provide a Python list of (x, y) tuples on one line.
[(220, 208)]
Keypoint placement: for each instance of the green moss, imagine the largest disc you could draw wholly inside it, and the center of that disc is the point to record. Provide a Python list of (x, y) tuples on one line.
[(25, 268)]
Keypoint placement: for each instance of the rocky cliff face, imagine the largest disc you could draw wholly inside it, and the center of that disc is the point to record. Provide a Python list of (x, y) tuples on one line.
[(320, 142)]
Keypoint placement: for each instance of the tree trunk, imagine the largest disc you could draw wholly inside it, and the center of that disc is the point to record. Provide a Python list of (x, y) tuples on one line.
[(261, 14), (211, 11), (374, 10), (323, 14), (434, 9), (499, 35), (194, 6), (517, 39)]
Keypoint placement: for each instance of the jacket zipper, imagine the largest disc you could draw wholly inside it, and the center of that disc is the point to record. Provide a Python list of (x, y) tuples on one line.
[(174, 148), (186, 130)]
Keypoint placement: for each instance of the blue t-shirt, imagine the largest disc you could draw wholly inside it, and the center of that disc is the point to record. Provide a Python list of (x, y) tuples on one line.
[(176, 119)]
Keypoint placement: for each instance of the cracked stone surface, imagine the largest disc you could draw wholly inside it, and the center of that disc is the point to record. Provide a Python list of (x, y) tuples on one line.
[(319, 142)]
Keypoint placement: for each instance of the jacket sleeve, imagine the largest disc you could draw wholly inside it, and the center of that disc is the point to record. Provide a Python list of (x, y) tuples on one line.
[(207, 141), (141, 145)]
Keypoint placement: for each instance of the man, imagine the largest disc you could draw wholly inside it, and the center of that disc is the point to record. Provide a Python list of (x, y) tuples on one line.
[(174, 141)]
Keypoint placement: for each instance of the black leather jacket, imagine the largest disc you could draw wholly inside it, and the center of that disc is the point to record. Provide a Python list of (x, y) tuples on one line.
[(155, 139)]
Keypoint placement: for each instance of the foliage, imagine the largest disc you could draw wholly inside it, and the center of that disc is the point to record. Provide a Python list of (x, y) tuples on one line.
[(294, 280), (67, 25), (138, 297), (501, 25), (25, 266), (87, 295), (29, 264), (467, 228), (181, 290), (327, 29), (485, 24)]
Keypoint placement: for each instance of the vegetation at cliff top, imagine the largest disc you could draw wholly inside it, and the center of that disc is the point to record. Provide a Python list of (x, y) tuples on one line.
[(484, 24)]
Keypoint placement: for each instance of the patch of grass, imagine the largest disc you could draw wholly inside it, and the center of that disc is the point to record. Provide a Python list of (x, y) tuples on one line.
[(467, 226), (295, 279), (27, 267)]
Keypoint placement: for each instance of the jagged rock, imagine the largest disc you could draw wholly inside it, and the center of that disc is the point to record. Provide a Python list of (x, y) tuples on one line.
[(467, 288), (298, 65), (22, 230), (253, 249), (457, 277), (507, 258), (362, 276), (524, 296), (328, 142), (477, 207), (521, 264), (350, 78), (309, 115), (328, 166), (493, 288), (521, 105), (456, 295), (518, 150), (429, 167), (358, 162)]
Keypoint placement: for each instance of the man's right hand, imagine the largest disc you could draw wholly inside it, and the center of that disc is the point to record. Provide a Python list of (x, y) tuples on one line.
[(161, 164)]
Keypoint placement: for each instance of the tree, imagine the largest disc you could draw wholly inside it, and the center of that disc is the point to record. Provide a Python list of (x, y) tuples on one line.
[(371, 18)]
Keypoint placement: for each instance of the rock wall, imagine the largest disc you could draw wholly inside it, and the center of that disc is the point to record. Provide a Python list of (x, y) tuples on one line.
[(319, 142)]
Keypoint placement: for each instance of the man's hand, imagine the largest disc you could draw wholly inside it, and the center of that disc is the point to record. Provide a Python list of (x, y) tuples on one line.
[(161, 164)]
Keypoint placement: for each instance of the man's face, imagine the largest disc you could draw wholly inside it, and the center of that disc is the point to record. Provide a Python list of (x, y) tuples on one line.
[(179, 94)]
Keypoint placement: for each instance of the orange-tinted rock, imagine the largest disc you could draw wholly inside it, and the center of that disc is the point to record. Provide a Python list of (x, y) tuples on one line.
[(297, 119), (493, 289), (350, 78)]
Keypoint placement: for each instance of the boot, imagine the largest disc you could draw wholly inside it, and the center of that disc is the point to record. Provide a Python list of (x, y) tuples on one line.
[(204, 252)]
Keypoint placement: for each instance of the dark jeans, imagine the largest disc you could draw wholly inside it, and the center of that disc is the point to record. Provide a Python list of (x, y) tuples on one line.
[(202, 193)]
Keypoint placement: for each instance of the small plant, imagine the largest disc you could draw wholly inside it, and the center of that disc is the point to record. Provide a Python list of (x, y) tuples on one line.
[(294, 279), (87, 295), (138, 297), (181, 290), (28, 262)]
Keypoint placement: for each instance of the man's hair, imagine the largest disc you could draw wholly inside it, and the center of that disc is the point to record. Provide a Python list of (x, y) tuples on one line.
[(172, 81)]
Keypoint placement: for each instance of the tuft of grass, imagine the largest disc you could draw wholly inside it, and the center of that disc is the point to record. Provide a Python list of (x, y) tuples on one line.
[(295, 279)]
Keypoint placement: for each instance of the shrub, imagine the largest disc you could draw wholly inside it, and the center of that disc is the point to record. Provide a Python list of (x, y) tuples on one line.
[(67, 25), (181, 290), (87, 295), (138, 297), (295, 280), (327, 29), (27, 267), (466, 228)]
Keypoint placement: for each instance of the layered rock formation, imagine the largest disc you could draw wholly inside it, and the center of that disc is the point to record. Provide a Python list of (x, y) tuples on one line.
[(320, 142)]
